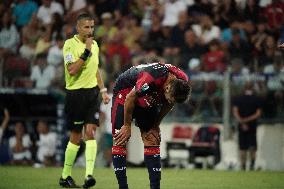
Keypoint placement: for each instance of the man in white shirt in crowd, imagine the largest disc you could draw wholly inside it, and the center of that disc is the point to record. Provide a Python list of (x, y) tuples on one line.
[(46, 145)]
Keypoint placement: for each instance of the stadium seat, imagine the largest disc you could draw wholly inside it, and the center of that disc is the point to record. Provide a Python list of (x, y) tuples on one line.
[(205, 144), (14, 67), (177, 148)]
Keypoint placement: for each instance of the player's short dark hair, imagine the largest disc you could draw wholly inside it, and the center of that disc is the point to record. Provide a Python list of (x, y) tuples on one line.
[(84, 16), (181, 90)]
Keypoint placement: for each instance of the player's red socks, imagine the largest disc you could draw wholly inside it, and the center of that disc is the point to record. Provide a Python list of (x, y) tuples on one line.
[(119, 165), (153, 162)]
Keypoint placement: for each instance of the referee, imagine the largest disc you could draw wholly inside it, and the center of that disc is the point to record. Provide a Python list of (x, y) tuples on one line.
[(83, 85)]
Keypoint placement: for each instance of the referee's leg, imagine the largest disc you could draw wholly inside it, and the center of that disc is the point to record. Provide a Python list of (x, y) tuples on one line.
[(90, 154)]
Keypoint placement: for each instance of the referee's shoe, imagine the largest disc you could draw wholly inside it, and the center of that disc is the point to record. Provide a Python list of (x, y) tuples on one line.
[(89, 181), (68, 182)]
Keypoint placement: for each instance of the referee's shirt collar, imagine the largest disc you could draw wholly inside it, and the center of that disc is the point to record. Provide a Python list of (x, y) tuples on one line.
[(76, 37)]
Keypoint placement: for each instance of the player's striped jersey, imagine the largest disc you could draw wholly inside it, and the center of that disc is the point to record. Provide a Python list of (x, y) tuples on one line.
[(148, 80)]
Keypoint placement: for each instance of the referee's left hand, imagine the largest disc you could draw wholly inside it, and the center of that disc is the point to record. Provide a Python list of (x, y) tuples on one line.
[(105, 97)]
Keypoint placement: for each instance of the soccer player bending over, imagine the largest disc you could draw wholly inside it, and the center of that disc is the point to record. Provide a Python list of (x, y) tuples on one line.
[(145, 93)]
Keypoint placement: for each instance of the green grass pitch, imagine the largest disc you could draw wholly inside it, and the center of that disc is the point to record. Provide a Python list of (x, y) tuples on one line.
[(47, 178)]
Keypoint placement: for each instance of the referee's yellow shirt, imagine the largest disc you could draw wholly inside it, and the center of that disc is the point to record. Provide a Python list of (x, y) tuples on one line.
[(86, 77)]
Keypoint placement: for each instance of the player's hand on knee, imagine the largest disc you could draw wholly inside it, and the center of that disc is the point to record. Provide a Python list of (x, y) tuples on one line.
[(123, 135)]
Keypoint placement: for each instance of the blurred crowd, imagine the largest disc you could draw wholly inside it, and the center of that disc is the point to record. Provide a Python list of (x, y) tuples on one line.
[(203, 37), (35, 145)]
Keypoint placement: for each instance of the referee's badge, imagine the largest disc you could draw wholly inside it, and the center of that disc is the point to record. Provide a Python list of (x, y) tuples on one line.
[(69, 58)]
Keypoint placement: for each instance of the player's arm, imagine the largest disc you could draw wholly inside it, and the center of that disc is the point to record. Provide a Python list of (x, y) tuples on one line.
[(74, 67), (125, 132), (166, 107), (129, 107)]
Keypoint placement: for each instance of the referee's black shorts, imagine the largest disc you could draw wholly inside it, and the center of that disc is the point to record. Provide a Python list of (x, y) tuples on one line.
[(82, 107)]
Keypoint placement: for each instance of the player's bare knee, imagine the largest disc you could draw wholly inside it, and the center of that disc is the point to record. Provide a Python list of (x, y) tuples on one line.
[(151, 138)]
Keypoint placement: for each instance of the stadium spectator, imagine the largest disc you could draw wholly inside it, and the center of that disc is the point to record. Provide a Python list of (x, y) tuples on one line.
[(227, 33), (171, 10), (260, 35), (274, 13), (247, 110), (105, 31), (155, 35), (252, 11), (214, 59), (118, 55), (42, 74), (197, 8), (9, 36), (190, 49), (47, 9), (83, 85), (20, 145), (178, 31), (44, 42), (30, 35), (105, 119), (46, 144), (132, 31), (267, 52), (57, 26), (23, 12), (4, 123), (147, 93), (206, 30), (239, 48), (224, 12), (54, 56), (73, 9)]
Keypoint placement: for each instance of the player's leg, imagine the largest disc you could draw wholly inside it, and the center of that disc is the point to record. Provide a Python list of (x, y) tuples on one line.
[(118, 152), (74, 112), (92, 122), (151, 137), (151, 140)]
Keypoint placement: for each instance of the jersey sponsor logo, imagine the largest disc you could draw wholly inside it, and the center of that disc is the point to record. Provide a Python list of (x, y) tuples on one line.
[(145, 87), (69, 58)]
